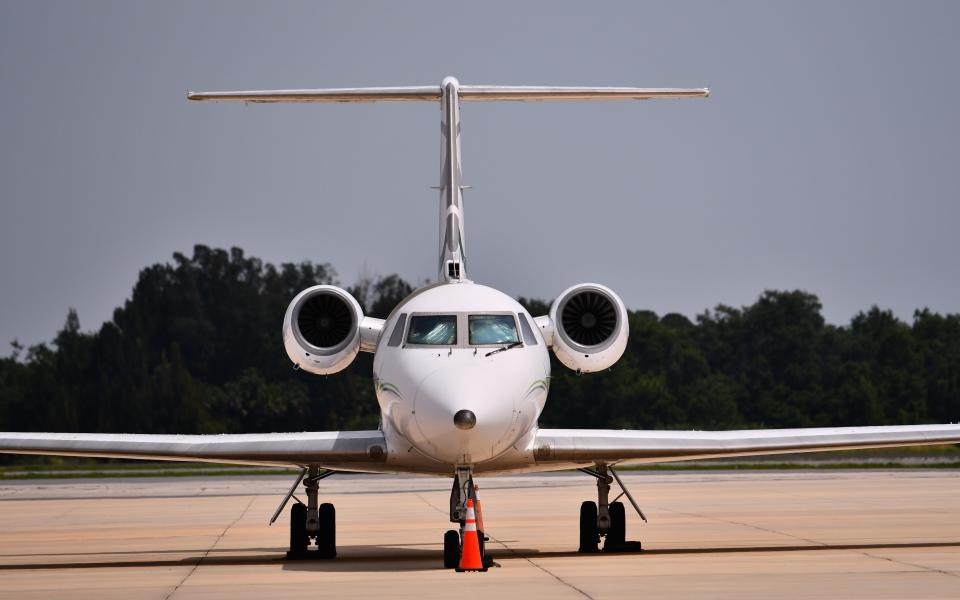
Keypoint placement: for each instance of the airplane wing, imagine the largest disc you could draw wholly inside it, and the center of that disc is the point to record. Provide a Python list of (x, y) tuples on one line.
[(585, 446), (326, 448)]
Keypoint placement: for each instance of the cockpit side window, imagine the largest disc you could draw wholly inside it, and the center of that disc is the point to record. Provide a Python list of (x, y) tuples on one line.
[(434, 330), (492, 329), (528, 336), (397, 334)]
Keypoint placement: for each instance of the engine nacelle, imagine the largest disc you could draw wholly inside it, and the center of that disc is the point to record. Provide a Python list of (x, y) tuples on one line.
[(321, 330), (590, 328)]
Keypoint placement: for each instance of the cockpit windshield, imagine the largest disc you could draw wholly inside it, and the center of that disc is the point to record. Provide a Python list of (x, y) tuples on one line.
[(492, 329), (437, 330)]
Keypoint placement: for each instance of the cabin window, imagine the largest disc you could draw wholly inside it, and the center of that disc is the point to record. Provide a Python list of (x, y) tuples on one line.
[(434, 330), (492, 329)]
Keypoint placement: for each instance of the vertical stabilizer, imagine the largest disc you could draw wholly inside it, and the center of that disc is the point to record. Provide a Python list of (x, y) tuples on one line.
[(452, 254)]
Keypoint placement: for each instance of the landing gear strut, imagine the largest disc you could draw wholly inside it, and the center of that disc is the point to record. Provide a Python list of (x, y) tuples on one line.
[(312, 522), (604, 518), (463, 489)]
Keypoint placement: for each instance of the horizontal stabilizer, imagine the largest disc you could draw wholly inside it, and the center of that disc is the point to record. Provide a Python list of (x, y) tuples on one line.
[(378, 94), (487, 93), (469, 93)]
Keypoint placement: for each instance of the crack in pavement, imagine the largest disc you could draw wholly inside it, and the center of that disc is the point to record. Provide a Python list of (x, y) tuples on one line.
[(812, 541), (209, 550), (515, 553), (749, 525), (542, 568), (908, 564), (67, 512)]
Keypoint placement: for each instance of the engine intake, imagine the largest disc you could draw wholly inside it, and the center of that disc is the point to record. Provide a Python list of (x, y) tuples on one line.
[(324, 320), (589, 317), (321, 329), (590, 327)]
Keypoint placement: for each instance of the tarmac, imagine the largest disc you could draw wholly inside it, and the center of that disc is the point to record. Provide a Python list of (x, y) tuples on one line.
[(793, 534)]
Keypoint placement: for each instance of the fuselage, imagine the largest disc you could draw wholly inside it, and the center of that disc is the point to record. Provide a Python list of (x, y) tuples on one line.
[(461, 373)]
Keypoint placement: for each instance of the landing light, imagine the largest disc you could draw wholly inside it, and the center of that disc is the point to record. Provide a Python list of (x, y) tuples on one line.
[(465, 419)]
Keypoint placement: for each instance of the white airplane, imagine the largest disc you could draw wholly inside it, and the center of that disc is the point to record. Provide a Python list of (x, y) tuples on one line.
[(462, 373)]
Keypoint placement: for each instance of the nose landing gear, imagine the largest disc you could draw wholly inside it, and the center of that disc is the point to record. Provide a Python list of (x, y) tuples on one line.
[(605, 518), (463, 489)]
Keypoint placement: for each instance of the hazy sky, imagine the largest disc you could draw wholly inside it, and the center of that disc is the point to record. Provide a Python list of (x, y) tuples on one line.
[(826, 158)]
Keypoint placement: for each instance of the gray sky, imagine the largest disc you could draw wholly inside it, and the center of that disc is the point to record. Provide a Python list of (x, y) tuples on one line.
[(826, 158)]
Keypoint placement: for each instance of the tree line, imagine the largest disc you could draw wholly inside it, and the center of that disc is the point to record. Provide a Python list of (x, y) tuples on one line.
[(197, 349)]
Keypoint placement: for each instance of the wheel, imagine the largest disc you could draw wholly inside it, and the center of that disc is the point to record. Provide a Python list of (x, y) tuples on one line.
[(298, 531), (451, 549), (327, 536), (588, 527), (617, 536)]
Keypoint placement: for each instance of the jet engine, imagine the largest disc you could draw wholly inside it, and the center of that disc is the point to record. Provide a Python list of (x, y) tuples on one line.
[(321, 330), (589, 326)]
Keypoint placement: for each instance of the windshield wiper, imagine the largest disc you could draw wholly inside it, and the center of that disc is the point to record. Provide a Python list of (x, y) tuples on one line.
[(505, 348)]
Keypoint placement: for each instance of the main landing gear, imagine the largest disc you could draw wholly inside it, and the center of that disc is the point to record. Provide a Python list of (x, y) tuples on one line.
[(463, 490), (604, 518), (311, 522)]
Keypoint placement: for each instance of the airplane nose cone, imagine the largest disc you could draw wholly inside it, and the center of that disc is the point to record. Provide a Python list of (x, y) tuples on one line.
[(462, 412), (465, 419)]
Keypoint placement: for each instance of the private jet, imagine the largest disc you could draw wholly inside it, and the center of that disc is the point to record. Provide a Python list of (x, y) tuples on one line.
[(462, 373)]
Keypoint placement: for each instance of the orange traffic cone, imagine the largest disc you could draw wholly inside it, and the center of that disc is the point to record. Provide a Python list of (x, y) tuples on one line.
[(470, 559), (480, 528)]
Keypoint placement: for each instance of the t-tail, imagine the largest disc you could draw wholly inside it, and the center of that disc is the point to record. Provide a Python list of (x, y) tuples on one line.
[(452, 255)]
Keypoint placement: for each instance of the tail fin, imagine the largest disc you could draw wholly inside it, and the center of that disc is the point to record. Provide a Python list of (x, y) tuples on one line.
[(450, 93)]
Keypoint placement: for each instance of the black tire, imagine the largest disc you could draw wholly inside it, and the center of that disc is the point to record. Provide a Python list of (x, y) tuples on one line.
[(451, 549), (327, 536), (617, 536), (589, 539), (298, 531)]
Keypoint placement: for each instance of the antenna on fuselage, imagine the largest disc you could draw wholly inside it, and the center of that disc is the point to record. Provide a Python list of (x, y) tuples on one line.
[(450, 93)]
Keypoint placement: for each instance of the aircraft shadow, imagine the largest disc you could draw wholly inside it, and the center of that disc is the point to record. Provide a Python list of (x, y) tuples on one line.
[(386, 558)]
